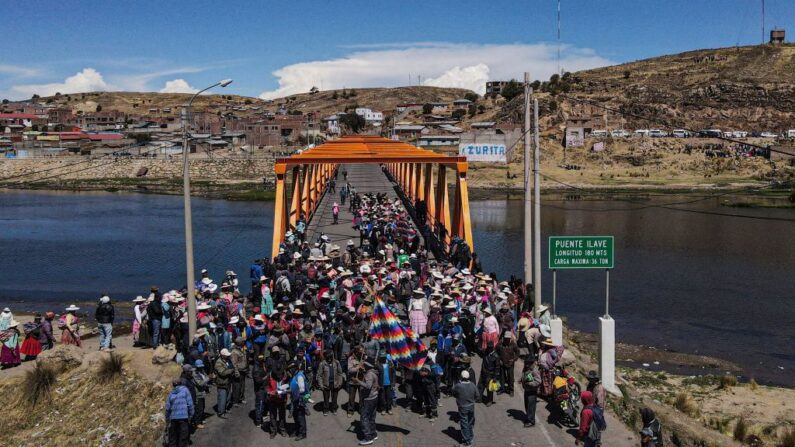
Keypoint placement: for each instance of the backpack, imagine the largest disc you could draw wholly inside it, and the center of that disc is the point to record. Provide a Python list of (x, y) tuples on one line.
[(598, 424), (62, 322)]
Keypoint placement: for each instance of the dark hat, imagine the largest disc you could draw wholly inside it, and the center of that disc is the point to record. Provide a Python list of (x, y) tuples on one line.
[(593, 375)]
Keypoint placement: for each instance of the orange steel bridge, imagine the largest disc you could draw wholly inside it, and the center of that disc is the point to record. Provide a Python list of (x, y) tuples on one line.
[(419, 173)]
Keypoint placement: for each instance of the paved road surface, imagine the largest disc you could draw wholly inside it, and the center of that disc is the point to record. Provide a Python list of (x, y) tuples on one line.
[(365, 178), (498, 425)]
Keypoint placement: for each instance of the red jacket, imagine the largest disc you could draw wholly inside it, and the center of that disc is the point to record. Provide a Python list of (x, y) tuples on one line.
[(586, 415)]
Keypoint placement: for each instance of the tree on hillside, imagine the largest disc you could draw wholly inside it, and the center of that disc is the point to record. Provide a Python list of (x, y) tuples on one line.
[(458, 114), (35, 96), (248, 101), (335, 95), (352, 93), (5, 101), (471, 96), (99, 108), (353, 121), (472, 110), (554, 78), (511, 90), (535, 84), (427, 108), (481, 108), (57, 94)]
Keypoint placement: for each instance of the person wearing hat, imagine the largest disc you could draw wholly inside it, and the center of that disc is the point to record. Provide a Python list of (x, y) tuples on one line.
[(240, 363), (429, 380), (329, 378), (154, 313), (419, 309), (543, 315), (595, 386), (530, 380), (201, 384), (224, 373), (69, 325), (139, 312), (547, 360), (105, 314), (491, 329), (46, 339), (31, 347), (369, 402), (508, 352), (387, 384), (259, 376), (5, 319), (489, 374), (179, 411), (299, 395), (466, 395), (9, 351), (651, 434)]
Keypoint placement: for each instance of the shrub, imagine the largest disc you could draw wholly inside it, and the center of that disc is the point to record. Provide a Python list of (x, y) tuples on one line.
[(38, 382), (110, 367), (740, 430), (685, 403), (727, 381), (753, 385), (786, 438)]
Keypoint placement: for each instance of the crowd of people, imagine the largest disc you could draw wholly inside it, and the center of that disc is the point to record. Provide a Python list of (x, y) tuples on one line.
[(305, 326)]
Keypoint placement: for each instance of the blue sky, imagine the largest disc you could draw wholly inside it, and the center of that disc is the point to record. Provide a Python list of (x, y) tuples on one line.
[(273, 48)]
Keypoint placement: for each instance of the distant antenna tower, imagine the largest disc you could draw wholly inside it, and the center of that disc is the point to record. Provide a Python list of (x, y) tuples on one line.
[(763, 22), (559, 36)]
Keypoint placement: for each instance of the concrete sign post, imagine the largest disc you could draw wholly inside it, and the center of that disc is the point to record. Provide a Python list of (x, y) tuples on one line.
[(588, 252)]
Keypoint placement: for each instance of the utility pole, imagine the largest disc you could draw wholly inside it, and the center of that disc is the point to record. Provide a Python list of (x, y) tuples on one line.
[(536, 210), (528, 204)]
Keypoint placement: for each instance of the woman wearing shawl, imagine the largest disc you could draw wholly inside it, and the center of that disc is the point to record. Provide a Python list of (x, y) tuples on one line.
[(266, 305), (70, 334), (419, 308), (9, 354), (138, 325), (31, 347), (5, 319)]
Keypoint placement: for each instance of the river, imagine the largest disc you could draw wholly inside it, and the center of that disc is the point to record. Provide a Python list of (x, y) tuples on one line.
[(694, 282)]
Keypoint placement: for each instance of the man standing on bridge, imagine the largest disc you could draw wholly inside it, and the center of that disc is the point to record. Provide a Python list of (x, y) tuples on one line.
[(369, 395)]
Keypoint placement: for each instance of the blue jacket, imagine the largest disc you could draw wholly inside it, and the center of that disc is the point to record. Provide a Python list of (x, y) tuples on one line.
[(179, 405)]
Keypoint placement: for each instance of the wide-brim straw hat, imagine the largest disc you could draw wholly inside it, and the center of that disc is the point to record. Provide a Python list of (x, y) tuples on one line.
[(72, 308)]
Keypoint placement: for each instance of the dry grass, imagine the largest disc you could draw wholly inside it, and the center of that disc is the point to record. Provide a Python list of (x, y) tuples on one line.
[(110, 368), (38, 382), (740, 430), (786, 437), (684, 402), (727, 381), (753, 385), (81, 410)]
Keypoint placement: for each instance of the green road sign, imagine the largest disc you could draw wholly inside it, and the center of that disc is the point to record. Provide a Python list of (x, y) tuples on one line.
[(580, 252)]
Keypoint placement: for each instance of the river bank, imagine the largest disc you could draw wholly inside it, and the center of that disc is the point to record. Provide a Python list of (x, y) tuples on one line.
[(780, 196)]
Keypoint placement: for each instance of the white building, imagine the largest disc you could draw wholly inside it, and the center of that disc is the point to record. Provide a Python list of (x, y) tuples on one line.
[(332, 124), (371, 117)]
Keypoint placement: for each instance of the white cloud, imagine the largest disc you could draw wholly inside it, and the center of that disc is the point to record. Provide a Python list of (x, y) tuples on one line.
[(178, 86), (86, 80), (140, 82), (17, 71), (471, 78), (439, 64)]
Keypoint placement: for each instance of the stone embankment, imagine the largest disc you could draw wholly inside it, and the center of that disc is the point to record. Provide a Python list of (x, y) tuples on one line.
[(25, 171)]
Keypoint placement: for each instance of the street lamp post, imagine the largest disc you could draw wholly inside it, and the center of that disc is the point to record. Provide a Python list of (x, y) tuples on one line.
[(188, 217)]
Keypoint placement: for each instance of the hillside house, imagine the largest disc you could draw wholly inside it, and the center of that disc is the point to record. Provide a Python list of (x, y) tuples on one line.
[(371, 117), (494, 88)]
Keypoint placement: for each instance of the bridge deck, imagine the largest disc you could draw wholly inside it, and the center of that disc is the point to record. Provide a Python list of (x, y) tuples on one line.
[(366, 178)]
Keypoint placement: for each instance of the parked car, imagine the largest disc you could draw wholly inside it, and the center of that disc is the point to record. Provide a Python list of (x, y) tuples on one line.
[(710, 133), (768, 135), (657, 133), (791, 133), (620, 133), (598, 133), (680, 133), (739, 134), (642, 133)]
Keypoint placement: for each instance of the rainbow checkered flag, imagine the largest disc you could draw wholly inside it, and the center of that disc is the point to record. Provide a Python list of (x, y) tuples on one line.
[(401, 343)]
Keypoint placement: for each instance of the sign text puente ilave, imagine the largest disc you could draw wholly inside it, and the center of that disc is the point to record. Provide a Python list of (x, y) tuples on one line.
[(420, 174)]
